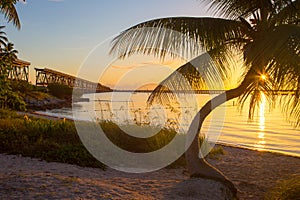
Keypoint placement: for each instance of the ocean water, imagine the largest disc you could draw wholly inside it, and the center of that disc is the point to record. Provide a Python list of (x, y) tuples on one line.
[(268, 131)]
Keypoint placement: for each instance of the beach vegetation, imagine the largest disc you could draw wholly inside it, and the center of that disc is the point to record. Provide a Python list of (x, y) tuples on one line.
[(60, 91), (58, 141), (285, 189), (27, 90), (50, 140), (8, 97)]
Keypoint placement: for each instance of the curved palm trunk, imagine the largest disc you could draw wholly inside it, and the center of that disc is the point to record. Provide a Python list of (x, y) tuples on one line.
[(199, 167)]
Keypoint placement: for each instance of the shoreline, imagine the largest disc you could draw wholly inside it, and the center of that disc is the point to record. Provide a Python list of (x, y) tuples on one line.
[(252, 172), (258, 150)]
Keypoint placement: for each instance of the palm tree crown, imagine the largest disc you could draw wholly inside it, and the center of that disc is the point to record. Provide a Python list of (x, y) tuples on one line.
[(9, 53)]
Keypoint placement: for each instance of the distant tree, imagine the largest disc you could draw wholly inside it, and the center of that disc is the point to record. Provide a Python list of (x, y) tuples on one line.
[(8, 98), (266, 33), (9, 54)]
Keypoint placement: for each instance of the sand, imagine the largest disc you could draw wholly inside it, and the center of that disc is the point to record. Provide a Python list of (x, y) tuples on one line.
[(253, 173)]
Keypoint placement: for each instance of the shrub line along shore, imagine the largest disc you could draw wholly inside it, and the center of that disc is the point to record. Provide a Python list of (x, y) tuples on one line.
[(51, 117)]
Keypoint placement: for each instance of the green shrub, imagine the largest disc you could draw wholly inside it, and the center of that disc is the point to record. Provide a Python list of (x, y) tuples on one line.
[(22, 86), (49, 140), (10, 99), (60, 91), (25, 89)]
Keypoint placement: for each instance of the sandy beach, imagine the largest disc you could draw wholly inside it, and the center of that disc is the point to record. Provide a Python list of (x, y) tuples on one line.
[(252, 172)]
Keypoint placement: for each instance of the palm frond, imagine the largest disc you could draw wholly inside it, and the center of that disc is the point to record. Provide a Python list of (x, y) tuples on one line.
[(206, 72), (285, 68), (277, 56), (9, 54), (290, 105), (283, 54), (237, 8), (7, 7), (255, 92), (286, 12), (265, 49), (3, 38), (179, 36)]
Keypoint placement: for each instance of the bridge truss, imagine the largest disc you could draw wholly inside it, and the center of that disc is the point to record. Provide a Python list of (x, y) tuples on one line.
[(19, 71)]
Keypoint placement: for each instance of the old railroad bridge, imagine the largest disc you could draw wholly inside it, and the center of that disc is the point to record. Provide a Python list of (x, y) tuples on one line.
[(47, 76), (20, 72)]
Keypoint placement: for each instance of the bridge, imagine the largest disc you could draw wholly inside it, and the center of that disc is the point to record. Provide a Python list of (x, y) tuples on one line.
[(46, 76), (19, 71)]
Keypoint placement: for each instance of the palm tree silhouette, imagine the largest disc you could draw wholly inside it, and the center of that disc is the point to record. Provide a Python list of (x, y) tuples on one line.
[(7, 57), (7, 7), (264, 33), (9, 54)]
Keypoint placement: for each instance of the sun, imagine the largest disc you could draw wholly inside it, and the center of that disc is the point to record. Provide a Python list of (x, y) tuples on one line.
[(263, 77)]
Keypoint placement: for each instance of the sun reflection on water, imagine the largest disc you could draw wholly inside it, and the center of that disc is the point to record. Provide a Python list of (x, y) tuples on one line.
[(261, 134)]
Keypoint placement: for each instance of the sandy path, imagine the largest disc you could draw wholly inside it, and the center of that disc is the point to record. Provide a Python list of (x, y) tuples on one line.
[(23, 178)]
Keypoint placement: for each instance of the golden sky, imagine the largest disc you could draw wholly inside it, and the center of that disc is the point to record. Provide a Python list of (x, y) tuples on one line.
[(138, 71)]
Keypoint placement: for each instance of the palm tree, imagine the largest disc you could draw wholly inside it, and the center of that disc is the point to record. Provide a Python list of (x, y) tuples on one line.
[(266, 33), (7, 57), (7, 7), (9, 54)]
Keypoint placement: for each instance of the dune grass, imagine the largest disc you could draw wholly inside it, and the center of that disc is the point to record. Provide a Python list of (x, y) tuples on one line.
[(285, 190)]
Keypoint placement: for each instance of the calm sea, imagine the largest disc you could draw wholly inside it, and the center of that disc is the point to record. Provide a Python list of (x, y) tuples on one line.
[(269, 130)]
